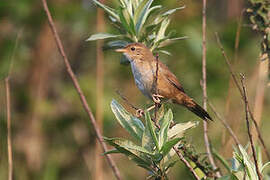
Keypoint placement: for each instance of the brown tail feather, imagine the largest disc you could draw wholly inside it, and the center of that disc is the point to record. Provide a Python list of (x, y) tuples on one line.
[(186, 101), (199, 111)]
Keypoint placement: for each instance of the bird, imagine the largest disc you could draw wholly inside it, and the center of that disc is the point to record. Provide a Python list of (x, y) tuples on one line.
[(156, 81)]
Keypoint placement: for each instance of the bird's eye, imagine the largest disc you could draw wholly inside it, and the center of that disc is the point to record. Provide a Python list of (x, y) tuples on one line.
[(132, 49)]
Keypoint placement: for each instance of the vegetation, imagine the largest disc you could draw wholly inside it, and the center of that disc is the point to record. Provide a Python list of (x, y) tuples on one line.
[(48, 130)]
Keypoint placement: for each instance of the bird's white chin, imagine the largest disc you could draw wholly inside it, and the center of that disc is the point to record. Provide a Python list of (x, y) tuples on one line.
[(128, 57)]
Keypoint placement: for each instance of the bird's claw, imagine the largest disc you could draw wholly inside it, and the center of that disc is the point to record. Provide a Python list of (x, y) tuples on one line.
[(139, 113), (156, 98)]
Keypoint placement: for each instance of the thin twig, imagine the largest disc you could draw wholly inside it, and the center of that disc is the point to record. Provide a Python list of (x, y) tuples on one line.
[(79, 91), (225, 124), (242, 94), (156, 87), (10, 159), (228, 64), (248, 128), (205, 126), (126, 100), (236, 49), (181, 157), (8, 109)]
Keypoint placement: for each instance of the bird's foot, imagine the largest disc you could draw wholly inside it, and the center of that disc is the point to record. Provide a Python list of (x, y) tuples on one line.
[(139, 113), (156, 98)]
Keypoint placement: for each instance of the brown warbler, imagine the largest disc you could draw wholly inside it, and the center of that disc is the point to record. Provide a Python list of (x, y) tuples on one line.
[(144, 66)]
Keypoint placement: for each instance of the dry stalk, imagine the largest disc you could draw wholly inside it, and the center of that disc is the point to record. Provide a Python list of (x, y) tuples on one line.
[(228, 99), (79, 91), (205, 126), (10, 159), (248, 128), (181, 157), (156, 88), (225, 124), (242, 94)]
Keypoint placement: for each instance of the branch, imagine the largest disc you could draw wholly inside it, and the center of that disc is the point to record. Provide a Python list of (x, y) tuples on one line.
[(242, 94), (126, 100), (205, 127), (79, 91), (248, 128), (225, 124), (181, 157), (10, 159), (156, 87)]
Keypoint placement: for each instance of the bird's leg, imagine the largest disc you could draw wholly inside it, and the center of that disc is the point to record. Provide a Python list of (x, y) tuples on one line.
[(157, 101), (140, 112), (156, 98)]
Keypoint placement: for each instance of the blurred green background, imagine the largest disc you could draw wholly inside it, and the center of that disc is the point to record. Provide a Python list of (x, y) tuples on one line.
[(52, 137)]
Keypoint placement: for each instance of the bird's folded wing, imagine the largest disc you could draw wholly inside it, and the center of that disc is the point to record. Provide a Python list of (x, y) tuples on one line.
[(171, 77)]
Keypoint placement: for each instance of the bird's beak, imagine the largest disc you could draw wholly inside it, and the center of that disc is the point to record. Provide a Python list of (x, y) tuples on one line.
[(121, 50)]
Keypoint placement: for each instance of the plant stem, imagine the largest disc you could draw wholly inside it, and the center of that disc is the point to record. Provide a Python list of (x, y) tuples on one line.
[(181, 157), (10, 159), (248, 128), (156, 88), (79, 91), (242, 95), (205, 126), (225, 124)]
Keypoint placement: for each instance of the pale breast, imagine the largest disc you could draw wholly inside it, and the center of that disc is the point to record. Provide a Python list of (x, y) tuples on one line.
[(143, 77)]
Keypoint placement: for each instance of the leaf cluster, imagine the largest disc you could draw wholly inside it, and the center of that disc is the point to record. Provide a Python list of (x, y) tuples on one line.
[(200, 161), (259, 15), (152, 148), (138, 21), (243, 167)]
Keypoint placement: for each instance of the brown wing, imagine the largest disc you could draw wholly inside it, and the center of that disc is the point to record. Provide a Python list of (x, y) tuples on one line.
[(171, 77)]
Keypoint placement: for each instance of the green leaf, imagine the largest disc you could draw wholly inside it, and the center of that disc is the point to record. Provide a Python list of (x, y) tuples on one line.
[(250, 166), (130, 123), (139, 9), (134, 155), (124, 19), (107, 9), (171, 11), (127, 144), (161, 33), (265, 166), (113, 151), (99, 36), (165, 52), (115, 44), (164, 127), (180, 128), (169, 145), (151, 127), (129, 7), (141, 14), (141, 22), (147, 140), (135, 4)]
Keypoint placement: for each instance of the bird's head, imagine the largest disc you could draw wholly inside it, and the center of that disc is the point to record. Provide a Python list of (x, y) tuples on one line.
[(136, 52)]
